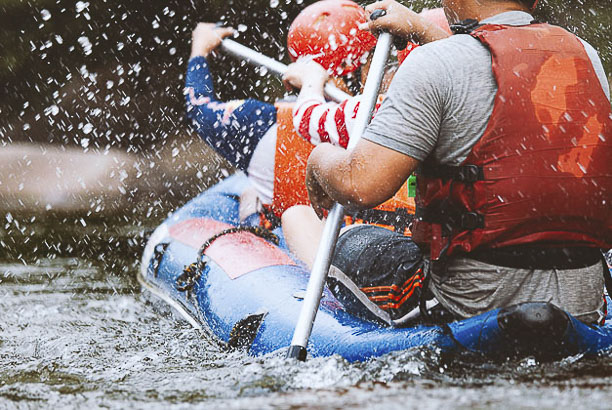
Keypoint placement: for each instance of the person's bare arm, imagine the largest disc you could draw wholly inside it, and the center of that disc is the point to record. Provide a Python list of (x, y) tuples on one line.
[(359, 179), (403, 22)]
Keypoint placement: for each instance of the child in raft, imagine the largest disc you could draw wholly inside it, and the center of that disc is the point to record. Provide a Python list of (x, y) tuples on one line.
[(319, 121)]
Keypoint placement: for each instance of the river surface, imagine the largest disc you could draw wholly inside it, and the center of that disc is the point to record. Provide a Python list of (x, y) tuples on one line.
[(77, 331)]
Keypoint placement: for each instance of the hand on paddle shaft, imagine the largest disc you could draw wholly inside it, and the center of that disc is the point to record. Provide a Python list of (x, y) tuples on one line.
[(206, 37), (306, 75), (403, 23)]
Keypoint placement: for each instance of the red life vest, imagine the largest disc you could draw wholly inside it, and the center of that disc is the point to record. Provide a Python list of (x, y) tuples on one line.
[(542, 172)]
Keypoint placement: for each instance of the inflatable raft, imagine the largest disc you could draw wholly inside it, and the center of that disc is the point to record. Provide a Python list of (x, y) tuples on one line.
[(247, 292)]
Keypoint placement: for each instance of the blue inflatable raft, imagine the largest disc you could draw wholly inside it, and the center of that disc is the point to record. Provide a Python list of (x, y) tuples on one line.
[(248, 294)]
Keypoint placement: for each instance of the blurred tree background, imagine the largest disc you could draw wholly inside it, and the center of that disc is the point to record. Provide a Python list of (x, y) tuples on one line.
[(107, 73)]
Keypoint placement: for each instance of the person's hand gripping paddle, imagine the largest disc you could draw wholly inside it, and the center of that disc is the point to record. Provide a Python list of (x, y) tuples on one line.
[(329, 237), (253, 57)]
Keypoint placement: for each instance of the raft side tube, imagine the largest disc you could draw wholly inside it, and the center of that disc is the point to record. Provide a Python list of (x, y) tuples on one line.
[(258, 309)]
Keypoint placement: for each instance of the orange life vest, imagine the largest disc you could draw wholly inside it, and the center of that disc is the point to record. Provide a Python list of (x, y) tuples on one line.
[(292, 153), (542, 172)]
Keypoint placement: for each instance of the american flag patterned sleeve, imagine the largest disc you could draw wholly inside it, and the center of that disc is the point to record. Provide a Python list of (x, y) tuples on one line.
[(232, 128)]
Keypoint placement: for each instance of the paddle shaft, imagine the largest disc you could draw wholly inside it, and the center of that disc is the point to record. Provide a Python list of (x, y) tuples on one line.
[(326, 248), (253, 57)]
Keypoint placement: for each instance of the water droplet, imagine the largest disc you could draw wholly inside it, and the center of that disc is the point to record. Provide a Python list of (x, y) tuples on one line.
[(274, 3), (81, 5), (52, 110), (45, 14), (86, 44), (87, 128)]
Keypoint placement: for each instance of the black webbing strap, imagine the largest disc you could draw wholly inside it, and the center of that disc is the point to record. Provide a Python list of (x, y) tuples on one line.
[(461, 173), (465, 26), (450, 217), (468, 25), (534, 257)]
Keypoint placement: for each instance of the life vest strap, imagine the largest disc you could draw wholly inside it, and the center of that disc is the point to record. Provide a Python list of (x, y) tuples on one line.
[(450, 217), (534, 257), (465, 26), (460, 173), (468, 25)]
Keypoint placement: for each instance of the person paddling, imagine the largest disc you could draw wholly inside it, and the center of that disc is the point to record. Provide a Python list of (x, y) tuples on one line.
[(244, 131), (317, 120), (508, 123)]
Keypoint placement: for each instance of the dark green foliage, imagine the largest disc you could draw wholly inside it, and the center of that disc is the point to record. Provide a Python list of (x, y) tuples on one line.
[(128, 87)]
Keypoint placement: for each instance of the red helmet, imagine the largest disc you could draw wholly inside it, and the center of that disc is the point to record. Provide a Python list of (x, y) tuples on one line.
[(328, 31), (435, 16)]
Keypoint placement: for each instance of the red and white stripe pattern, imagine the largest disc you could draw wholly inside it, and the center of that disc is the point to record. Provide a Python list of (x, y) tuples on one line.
[(318, 121)]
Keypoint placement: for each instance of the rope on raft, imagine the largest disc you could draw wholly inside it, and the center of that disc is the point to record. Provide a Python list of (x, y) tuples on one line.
[(192, 273)]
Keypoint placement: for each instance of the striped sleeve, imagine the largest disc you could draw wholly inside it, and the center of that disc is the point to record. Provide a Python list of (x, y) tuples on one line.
[(318, 121)]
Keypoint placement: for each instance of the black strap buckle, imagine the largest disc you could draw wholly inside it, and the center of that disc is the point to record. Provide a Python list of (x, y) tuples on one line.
[(450, 217), (471, 221), (465, 26), (468, 173)]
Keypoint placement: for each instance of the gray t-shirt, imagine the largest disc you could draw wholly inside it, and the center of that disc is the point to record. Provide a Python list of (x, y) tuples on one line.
[(439, 104), (442, 96)]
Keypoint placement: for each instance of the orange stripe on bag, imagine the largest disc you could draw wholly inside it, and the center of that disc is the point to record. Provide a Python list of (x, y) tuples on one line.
[(404, 299), (405, 286)]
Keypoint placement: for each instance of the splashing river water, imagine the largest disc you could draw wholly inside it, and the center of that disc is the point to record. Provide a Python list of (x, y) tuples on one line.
[(77, 331)]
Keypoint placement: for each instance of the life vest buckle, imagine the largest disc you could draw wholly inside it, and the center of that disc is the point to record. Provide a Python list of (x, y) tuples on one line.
[(465, 26), (469, 173), (471, 221)]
